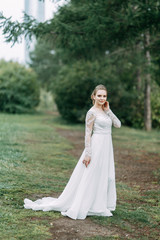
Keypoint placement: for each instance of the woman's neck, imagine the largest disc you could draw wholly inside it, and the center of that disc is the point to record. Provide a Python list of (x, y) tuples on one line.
[(97, 106)]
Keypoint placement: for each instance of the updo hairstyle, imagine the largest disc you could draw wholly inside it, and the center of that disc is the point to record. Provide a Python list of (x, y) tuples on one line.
[(98, 87)]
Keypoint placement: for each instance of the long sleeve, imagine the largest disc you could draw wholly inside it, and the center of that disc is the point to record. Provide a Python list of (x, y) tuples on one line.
[(115, 121), (90, 117)]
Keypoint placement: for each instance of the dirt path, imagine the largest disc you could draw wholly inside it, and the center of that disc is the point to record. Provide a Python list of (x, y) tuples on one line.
[(130, 168), (68, 229)]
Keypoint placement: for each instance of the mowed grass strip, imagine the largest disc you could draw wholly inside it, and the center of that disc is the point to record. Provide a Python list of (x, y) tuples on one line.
[(33, 163)]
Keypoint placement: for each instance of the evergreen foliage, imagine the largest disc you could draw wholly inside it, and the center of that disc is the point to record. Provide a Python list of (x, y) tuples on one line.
[(155, 102), (45, 62), (117, 72), (88, 38), (19, 89), (75, 83)]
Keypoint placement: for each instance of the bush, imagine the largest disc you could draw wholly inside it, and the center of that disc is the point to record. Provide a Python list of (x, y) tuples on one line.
[(155, 103), (72, 91), (19, 89), (131, 109), (75, 84)]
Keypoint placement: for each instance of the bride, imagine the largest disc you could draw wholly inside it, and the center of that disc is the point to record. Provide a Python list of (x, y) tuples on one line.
[(91, 188)]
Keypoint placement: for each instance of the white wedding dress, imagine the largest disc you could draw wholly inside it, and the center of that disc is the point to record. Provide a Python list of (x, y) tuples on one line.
[(90, 190)]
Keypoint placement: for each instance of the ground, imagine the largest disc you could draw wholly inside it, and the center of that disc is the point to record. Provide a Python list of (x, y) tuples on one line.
[(38, 153), (133, 169)]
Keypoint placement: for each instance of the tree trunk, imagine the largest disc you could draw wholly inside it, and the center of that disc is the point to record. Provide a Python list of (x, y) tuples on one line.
[(147, 89), (138, 78), (138, 71)]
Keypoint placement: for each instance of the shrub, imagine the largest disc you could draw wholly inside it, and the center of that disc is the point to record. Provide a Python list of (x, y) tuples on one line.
[(72, 91), (155, 103), (19, 89), (75, 84)]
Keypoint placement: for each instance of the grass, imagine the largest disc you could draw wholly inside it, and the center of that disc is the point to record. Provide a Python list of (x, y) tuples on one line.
[(136, 139), (136, 216), (34, 162), (114, 237)]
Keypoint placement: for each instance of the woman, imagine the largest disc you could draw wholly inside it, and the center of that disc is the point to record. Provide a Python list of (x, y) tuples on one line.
[(91, 189)]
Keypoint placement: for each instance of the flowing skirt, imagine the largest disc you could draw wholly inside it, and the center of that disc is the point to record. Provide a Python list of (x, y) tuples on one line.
[(89, 191)]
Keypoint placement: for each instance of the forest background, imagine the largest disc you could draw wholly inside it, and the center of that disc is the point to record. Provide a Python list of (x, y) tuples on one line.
[(115, 43)]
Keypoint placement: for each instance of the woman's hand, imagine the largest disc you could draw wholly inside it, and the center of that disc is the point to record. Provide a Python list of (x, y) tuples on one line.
[(86, 161), (106, 106)]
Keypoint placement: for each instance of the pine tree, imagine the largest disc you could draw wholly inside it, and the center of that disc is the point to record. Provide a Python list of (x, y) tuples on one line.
[(87, 29)]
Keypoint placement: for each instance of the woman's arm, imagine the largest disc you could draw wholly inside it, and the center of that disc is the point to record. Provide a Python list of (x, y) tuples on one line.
[(90, 117), (116, 122)]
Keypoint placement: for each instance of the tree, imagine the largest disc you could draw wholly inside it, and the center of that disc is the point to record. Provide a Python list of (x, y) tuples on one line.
[(46, 63), (87, 29), (19, 89)]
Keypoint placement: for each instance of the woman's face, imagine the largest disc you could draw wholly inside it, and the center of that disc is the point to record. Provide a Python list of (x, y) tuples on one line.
[(100, 97)]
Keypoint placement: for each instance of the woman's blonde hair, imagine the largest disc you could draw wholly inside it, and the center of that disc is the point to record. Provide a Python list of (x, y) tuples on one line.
[(99, 87)]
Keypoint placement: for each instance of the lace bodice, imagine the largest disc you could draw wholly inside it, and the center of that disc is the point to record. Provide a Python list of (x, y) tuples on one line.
[(98, 122)]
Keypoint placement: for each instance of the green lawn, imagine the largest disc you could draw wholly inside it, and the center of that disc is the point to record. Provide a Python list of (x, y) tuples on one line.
[(34, 162)]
